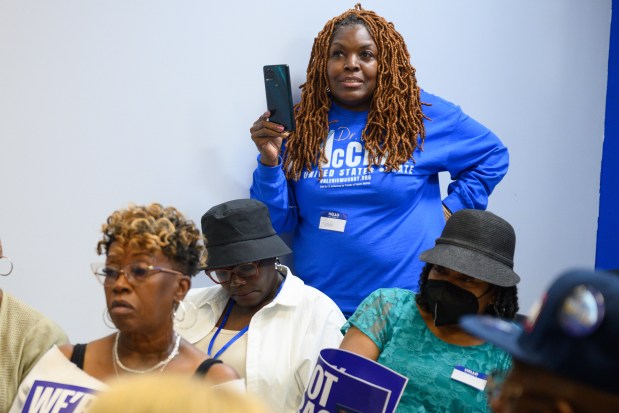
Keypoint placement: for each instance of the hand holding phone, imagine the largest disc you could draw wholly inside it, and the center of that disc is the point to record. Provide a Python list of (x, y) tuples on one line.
[(279, 95)]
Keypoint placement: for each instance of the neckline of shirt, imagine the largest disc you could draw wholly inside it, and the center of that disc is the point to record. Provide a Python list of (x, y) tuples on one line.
[(340, 112)]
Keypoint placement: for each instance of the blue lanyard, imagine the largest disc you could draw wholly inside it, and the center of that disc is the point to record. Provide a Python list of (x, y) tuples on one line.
[(237, 335), (231, 341)]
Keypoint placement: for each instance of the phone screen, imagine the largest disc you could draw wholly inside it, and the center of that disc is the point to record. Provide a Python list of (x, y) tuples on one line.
[(279, 95)]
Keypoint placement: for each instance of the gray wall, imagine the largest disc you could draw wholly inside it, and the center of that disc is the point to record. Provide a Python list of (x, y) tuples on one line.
[(107, 102)]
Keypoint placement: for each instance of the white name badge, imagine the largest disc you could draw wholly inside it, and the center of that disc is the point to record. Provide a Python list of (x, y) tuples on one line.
[(332, 221), (470, 377)]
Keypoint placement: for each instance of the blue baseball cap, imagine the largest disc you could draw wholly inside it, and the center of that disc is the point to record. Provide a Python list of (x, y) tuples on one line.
[(574, 332)]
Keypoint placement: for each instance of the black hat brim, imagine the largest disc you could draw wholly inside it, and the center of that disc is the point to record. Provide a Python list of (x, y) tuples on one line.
[(472, 263), (502, 333), (241, 252)]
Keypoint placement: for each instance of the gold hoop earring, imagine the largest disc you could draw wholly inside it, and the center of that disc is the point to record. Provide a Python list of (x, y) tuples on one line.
[(176, 314)]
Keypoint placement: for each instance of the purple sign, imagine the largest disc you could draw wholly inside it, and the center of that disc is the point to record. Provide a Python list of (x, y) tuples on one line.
[(344, 382), (48, 397)]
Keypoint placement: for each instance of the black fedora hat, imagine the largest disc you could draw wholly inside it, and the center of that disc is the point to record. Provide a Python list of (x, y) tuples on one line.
[(238, 232), (479, 244)]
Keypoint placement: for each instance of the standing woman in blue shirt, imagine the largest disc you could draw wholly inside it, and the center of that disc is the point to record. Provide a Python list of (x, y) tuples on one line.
[(361, 169)]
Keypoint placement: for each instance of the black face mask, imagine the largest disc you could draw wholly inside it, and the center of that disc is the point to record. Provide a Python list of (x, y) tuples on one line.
[(448, 302)]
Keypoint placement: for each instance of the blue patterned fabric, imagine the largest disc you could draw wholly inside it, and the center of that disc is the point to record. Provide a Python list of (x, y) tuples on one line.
[(391, 319)]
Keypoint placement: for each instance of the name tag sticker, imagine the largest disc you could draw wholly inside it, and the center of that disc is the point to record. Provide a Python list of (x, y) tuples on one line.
[(332, 221), (470, 377)]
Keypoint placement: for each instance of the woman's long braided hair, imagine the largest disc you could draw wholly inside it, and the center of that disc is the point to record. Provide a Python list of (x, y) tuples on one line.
[(394, 127)]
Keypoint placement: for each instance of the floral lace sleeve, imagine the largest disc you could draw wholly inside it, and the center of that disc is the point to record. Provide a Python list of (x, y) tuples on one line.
[(392, 321), (373, 316)]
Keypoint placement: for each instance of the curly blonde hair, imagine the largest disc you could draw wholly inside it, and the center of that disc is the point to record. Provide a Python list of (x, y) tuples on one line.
[(394, 127), (155, 228)]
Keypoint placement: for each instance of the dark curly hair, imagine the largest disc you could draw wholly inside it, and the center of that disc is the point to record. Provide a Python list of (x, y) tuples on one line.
[(153, 228), (505, 303)]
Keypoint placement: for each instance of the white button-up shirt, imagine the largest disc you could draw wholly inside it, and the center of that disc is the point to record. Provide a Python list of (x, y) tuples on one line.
[(283, 341)]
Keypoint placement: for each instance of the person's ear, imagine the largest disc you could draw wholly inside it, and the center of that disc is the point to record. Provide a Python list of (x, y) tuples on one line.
[(183, 286)]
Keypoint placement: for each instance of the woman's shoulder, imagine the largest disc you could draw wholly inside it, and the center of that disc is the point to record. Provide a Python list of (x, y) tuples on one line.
[(67, 349), (213, 370), (19, 312), (427, 97), (383, 310), (392, 303), (193, 361), (394, 296), (303, 305), (438, 106), (54, 353), (221, 373), (297, 291)]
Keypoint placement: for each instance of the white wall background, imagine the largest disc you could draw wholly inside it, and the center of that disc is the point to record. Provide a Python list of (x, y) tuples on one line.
[(107, 102)]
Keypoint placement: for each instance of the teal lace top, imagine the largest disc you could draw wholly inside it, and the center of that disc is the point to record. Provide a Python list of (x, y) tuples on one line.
[(391, 319)]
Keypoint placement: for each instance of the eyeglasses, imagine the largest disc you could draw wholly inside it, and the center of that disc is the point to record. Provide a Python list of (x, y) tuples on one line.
[(135, 273), (243, 271)]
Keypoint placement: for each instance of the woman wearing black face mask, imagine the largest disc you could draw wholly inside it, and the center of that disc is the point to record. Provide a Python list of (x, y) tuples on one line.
[(469, 271)]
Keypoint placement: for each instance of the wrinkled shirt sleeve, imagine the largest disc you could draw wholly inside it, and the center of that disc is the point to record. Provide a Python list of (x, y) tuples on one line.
[(477, 162), (271, 187)]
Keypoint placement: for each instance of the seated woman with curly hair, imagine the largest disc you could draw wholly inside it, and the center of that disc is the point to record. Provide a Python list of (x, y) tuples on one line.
[(151, 254), (469, 271)]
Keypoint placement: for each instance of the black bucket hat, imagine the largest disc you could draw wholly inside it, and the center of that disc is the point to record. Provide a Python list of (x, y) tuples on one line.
[(240, 231), (479, 244)]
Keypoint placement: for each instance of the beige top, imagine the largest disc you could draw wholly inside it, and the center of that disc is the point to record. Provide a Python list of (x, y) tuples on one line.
[(25, 335), (235, 355)]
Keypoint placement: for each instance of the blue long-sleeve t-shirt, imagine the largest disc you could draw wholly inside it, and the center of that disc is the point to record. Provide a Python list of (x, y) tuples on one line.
[(355, 230)]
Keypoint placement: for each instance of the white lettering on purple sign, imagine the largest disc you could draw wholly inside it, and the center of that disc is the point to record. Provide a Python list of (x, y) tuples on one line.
[(51, 397), (319, 388)]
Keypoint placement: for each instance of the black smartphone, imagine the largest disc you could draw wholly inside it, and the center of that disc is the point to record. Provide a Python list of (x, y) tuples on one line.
[(279, 95)]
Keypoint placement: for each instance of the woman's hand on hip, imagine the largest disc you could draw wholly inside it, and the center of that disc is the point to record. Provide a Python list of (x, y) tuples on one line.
[(268, 138)]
